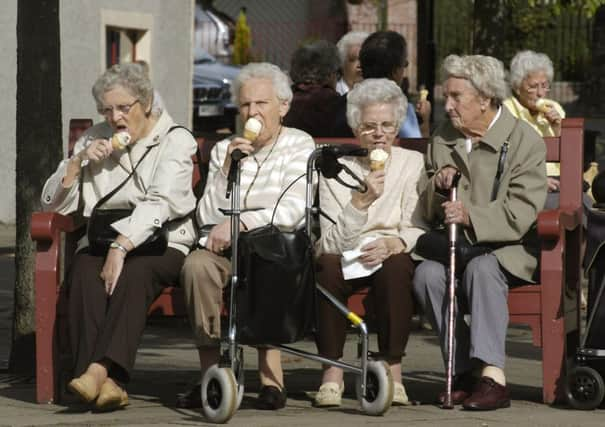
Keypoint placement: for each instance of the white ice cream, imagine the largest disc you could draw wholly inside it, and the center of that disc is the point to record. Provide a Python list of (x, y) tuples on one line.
[(252, 129)]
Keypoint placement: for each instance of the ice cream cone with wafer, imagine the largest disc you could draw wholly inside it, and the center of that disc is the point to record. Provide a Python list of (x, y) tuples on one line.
[(544, 105), (252, 129), (378, 159), (120, 140)]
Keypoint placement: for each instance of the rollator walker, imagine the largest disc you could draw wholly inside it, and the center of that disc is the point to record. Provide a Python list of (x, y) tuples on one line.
[(222, 385)]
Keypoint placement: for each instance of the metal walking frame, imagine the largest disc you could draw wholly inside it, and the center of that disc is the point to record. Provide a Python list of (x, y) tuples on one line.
[(222, 385)]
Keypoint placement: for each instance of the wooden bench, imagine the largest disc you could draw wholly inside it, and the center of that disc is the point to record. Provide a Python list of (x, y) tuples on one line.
[(551, 309)]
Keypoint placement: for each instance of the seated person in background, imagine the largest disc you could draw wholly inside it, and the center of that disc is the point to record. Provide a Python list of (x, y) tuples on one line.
[(384, 55), (531, 74), (471, 142), (313, 70), (382, 223), (348, 51), (276, 158), (109, 295)]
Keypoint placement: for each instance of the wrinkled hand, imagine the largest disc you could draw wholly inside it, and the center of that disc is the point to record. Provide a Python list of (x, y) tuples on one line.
[(553, 116), (236, 143), (445, 177), (375, 183), (114, 263), (456, 213), (553, 184), (219, 238), (380, 249), (97, 151)]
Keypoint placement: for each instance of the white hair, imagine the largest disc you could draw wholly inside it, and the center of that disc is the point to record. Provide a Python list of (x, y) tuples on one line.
[(349, 39), (527, 62), (375, 91), (264, 70), (484, 73)]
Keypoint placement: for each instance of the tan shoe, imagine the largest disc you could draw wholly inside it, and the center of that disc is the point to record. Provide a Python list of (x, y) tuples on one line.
[(400, 397), (85, 387), (329, 394), (111, 397)]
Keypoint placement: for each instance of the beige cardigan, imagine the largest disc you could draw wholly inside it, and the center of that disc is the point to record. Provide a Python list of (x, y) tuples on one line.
[(160, 190), (394, 214)]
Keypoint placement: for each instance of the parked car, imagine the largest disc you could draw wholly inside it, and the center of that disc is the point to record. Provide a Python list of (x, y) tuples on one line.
[(213, 107), (213, 32)]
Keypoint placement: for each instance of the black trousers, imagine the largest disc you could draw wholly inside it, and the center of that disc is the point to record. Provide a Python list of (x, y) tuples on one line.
[(391, 287), (110, 327)]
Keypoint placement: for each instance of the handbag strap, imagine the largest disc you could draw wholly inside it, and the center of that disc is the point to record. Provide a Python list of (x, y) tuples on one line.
[(109, 195), (501, 161)]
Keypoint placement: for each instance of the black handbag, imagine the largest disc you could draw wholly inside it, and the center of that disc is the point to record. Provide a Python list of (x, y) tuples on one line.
[(100, 232), (275, 299)]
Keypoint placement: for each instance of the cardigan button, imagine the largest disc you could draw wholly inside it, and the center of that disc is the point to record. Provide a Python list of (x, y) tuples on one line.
[(156, 221), (47, 198), (182, 231)]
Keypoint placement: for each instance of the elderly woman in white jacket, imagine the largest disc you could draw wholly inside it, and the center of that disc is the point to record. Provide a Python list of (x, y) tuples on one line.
[(109, 294)]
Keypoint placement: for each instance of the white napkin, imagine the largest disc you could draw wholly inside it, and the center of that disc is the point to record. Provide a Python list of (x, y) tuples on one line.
[(351, 267)]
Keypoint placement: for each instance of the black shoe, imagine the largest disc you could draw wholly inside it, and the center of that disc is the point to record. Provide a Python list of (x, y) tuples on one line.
[(271, 398), (191, 399)]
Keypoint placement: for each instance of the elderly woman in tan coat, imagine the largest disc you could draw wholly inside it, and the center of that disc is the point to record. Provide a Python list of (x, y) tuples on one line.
[(471, 143)]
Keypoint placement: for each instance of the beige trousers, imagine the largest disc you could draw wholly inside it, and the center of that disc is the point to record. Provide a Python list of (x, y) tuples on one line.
[(203, 277)]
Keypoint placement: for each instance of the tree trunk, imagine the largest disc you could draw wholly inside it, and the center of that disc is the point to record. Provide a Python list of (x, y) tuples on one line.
[(39, 150)]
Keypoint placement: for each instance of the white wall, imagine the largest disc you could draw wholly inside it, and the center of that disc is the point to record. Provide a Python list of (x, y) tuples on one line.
[(170, 32), (8, 109)]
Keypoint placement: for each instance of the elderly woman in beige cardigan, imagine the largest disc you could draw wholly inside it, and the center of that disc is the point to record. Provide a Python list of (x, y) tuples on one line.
[(379, 226)]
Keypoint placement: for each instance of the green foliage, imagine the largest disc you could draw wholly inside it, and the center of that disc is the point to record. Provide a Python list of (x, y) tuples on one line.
[(560, 28)]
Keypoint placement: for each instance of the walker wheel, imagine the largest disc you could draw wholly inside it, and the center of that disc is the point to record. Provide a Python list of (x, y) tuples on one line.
[(585, 388), (379, 389), (219, 394)]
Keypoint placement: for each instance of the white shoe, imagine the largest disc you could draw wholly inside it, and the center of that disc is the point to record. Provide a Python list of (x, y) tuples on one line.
[(400, 397), (329, 394)]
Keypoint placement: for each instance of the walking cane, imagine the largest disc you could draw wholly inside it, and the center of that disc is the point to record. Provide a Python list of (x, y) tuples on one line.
[(452, 232)]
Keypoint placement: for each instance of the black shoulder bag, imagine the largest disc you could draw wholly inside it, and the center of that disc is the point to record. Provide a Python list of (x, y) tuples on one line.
[(434, 244), (276, 297), (100, 232)]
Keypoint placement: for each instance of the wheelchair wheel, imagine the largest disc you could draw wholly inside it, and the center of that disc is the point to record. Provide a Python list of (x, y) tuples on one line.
[(219, 394), (379, 389), (585, 388)]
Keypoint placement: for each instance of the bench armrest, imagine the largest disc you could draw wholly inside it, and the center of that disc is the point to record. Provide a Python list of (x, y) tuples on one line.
[(552, 222), (47, 226)]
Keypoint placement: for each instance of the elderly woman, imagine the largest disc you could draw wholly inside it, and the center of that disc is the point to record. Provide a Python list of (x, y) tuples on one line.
[(530, 76), (381, 225), (348, 52), (314, 70), (472, 142), (276, 158), (109, 293)]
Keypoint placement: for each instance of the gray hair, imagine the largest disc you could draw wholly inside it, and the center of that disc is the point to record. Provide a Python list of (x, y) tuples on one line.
[(484, 73), (375, 91), (130, 76), (527, 62), (349, 39), (264, 70), (314, 63)]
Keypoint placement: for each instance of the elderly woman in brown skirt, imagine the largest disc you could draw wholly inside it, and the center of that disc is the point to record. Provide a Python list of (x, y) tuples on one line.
[(109, 293), (373, 231)]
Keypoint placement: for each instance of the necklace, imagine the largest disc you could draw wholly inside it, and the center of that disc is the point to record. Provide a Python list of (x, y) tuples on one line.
[(259, 166)]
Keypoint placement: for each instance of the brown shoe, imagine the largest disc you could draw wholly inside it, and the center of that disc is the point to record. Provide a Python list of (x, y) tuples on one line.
[(488, 395), (462, 387)]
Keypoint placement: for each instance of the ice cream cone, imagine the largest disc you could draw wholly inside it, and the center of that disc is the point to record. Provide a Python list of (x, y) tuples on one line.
[(252, 129), (424, 94), (376, 165), (543, 105), (120, 140), (378, 159)]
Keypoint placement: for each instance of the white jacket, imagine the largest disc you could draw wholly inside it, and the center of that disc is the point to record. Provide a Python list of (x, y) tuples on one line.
[(159, 191)]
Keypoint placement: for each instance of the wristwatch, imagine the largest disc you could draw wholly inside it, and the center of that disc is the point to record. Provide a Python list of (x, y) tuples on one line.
[(116, 245)]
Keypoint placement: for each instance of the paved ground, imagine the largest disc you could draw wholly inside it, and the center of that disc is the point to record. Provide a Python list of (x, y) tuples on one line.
[(167, 364)]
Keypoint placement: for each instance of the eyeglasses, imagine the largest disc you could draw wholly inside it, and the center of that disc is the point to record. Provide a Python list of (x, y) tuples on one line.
[(369, 128), (533, 87), (123, 109)]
